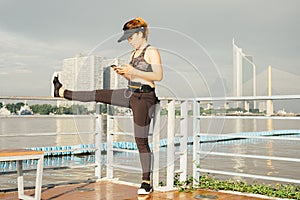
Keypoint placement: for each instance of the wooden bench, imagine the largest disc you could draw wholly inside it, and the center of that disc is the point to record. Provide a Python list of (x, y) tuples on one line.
[(23, 154)]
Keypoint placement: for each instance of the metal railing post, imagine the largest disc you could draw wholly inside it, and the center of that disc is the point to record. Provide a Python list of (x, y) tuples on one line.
[(183, 140), (170, 145), (196, 140), (156, 146), (98, 144), (109, 154)]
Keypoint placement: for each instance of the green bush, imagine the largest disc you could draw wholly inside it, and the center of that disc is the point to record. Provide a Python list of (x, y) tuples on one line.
[(209, 182)]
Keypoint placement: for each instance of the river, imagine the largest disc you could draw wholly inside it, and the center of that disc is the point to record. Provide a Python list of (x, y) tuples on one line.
[(45, 131)]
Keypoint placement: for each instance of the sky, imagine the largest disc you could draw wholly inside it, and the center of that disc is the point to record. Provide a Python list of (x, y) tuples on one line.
[(193, 36)]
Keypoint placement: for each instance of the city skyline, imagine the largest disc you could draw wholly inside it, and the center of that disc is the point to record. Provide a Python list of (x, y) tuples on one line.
[(89, 73), (194, 38)]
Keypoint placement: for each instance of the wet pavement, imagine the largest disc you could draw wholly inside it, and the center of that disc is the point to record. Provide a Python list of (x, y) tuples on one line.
[(108, 190)]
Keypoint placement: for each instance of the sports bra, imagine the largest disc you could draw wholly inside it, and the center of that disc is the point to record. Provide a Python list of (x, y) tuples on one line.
[(140, 63)]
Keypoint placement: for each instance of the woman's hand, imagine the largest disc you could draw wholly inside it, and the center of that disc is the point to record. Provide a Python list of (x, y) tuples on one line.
[(124, 70)]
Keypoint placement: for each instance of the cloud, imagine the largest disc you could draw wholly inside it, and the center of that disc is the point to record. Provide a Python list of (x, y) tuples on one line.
[(3, 73), (23, 71), (26, 64), (36, 36)]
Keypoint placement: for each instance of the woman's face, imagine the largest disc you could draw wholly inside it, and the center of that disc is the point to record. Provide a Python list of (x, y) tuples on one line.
[(135, 40)]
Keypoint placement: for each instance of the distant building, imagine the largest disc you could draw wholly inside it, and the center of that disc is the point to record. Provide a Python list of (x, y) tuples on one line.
[(262, 106), (226, 105), (89, 73), (209, 106)]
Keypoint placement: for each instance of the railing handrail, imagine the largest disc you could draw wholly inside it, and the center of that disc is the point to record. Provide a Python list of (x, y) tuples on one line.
[(233, 98), (248, 98), (44, 98), (46, 134), (235, 135), (226, 98), (250, 156)]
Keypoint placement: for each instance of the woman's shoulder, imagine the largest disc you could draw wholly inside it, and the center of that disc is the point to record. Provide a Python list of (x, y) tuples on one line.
[(152, 54), (152, 50)]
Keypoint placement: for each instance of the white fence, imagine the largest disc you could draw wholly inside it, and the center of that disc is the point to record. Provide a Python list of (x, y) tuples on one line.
[(184, 105)]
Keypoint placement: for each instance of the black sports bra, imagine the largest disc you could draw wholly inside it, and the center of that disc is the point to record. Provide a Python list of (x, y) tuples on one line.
[(140, 63)]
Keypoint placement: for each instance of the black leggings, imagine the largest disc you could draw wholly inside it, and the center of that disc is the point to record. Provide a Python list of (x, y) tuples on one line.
[(142, 105)]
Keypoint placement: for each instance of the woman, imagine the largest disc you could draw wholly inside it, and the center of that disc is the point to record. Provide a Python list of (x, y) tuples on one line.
[(143, 70)]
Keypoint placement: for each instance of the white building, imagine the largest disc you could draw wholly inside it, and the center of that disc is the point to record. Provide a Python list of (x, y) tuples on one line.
[(85, 73)]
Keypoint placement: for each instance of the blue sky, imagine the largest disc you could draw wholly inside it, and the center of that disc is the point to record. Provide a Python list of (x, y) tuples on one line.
[(195, 39)]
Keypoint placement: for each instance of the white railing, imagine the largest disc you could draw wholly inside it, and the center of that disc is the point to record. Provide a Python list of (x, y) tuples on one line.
[(155, 134), (97, 147), (173, 104), (197, 134), (184, 105)]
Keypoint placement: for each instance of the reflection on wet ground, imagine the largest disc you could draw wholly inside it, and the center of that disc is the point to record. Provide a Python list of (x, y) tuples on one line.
[(115, 191)]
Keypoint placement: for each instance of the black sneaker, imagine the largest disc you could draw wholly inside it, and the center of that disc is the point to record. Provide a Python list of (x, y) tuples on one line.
[(145, 189), (56, 86)]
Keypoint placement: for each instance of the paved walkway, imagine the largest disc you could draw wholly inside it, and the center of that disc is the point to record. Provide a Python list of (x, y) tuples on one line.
[(106, 190)]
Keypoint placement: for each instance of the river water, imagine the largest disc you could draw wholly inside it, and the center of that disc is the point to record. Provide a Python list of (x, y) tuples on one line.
[(45, 131)]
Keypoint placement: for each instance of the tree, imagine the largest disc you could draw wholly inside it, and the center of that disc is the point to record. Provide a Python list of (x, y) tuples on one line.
[(13, 108), (19, 105), (44, 109)]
